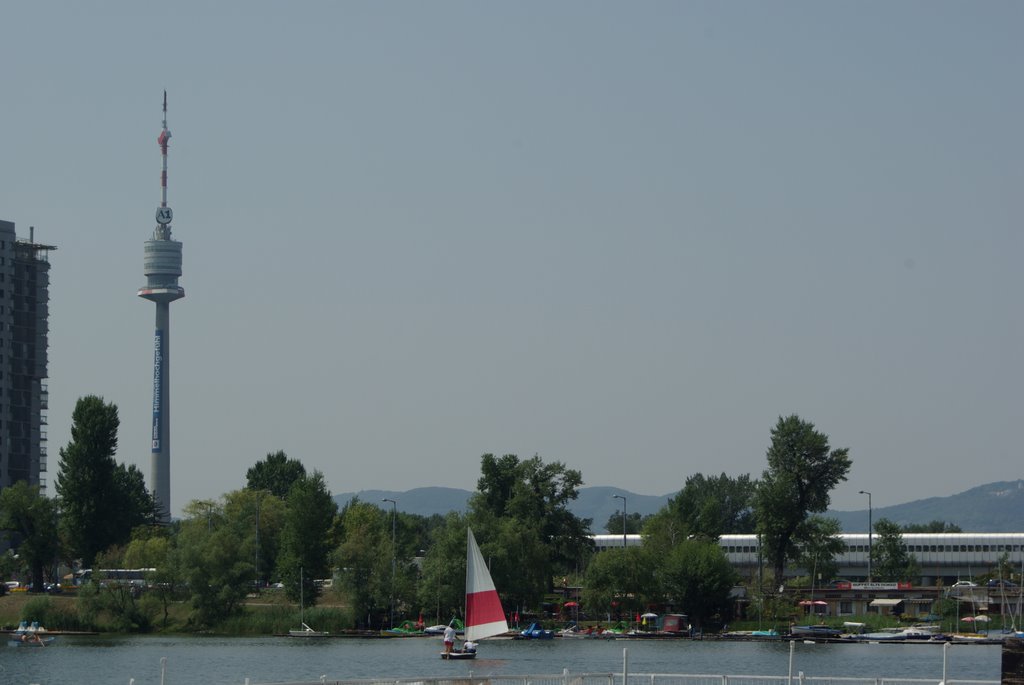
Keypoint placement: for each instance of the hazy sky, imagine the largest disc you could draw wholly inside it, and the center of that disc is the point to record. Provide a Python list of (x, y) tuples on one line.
[(626, 236)]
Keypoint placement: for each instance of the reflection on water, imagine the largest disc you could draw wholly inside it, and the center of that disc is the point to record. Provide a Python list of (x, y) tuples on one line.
[(229, 661)]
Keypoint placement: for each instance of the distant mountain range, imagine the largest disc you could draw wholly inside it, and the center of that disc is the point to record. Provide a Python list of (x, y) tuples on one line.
[(992, 508)]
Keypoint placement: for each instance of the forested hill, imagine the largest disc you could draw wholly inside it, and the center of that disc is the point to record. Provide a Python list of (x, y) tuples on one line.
[(991, 508)]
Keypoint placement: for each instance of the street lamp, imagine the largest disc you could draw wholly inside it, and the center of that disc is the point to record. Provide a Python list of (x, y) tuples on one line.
[(394, 513), (257, 541), (870, 532), (623, 498)]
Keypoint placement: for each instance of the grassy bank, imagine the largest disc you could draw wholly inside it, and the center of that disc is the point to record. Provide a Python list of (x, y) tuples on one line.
[(267, 614)]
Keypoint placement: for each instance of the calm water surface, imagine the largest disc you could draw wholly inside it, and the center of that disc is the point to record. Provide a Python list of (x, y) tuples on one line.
[(229, 661)]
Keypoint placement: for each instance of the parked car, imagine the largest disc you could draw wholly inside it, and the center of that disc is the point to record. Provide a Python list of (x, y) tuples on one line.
[(1000, 582)]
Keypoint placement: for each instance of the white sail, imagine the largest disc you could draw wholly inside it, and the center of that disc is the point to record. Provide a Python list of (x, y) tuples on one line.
[(484, 615)]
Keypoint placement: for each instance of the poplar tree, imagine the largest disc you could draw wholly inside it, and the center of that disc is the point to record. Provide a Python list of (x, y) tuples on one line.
[(305, 539), (802, 471), (100, 500), (86, 481)]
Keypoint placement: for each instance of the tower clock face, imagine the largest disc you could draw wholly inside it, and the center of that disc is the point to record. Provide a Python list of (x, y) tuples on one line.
[(164, 215)]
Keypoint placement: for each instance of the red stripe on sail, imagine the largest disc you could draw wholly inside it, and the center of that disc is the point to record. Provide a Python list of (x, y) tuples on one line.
[(483, 607)]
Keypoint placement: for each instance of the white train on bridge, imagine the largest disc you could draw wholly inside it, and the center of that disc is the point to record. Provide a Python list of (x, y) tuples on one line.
[(939, 555)]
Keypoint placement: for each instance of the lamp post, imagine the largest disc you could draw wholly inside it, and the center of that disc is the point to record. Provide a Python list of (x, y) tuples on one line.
[(394, 552), (623, 498), (257, 541), (870, 533)]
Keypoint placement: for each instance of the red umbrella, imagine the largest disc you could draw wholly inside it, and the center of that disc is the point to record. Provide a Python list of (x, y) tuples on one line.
[(570, 604)]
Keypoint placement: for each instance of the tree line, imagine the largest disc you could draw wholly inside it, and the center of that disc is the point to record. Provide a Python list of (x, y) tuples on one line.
[(284, 527)]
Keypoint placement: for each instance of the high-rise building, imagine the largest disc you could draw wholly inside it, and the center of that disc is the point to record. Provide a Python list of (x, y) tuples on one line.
[(24, 336)]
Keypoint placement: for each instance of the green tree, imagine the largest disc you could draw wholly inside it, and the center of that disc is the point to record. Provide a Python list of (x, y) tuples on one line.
[(524, 504), (520, 561), (1004, 569), (124, 605), (697, 578), (663, 531), (306, 541), (819, 544), (442, 586), (364, 558), (712, 506), (90, 500), (891, 561), (213, 561), (31, 519), (153, 547), (634, 523), (276, 474), (619, 580), (802, 471), (257, 516), (136, 505)]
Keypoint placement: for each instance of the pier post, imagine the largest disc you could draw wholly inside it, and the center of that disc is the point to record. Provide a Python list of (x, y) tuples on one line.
[(1013, 661), (792, 647)]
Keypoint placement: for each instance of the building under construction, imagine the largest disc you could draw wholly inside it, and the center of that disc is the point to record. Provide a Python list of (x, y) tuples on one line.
[(24, 339)]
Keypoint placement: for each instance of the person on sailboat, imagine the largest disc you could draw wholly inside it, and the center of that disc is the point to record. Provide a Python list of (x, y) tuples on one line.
[(468, 646), (449, 638)]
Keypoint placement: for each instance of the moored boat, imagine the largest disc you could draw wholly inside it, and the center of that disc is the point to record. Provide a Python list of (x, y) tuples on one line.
[(820, 631), (306, 631), (535, 631)]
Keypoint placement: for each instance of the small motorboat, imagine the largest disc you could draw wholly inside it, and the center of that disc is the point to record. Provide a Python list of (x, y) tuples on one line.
[(819, 631)]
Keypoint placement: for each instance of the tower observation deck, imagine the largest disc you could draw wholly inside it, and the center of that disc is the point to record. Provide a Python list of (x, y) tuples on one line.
[(162, 268)]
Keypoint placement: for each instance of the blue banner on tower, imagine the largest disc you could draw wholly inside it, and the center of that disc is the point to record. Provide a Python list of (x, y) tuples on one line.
[(158, 381)]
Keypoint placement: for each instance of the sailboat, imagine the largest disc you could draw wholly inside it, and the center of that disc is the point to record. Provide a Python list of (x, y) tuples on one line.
[(305, 630), (484, 615)]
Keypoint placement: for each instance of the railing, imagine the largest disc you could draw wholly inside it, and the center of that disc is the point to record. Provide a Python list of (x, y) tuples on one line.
[(798, 679), (642, 679), (565, 678), (627, 678)]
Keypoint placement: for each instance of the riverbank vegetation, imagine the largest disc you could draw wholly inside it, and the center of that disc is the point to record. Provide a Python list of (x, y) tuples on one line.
[(245, 562)]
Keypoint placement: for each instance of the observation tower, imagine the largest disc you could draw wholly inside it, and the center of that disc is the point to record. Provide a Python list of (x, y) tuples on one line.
[(162, 267)]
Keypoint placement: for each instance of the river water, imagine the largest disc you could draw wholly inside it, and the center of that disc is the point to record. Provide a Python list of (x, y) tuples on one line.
[(229, 661)]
